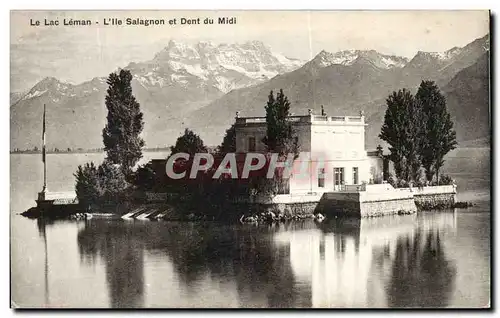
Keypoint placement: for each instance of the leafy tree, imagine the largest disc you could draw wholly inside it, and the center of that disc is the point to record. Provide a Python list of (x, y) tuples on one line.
[(229, 142), (395, 130), (189, 143), (280, 136), (121, 136), (414, 140), (438, 133)]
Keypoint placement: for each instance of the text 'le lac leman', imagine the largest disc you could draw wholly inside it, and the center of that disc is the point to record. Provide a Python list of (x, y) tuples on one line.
[(134, 21)]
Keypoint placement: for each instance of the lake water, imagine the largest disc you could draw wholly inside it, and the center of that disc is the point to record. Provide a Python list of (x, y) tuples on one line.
[(432, 259)]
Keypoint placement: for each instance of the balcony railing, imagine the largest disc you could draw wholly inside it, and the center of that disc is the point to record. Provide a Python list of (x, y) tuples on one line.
[(304, 119)]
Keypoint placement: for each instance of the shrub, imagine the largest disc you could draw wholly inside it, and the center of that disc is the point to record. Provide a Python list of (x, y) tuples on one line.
[(98, 185), (392, 180), (87, 186), (401, 183), (421, 179), (445, 180), (144, 177), (112, 182)]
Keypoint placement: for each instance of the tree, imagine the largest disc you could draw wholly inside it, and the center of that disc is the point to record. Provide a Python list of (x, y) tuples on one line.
[(121, 136), (87, 188), (112, 182), (229, 142), (395, 130), (280, 137), (189, 143), (100, 184), (439, 135), (145, 177), (414, 140)]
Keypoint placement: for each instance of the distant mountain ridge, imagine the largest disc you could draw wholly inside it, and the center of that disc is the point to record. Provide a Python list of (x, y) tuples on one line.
[(202, 85), (468, 98), (350, 57)]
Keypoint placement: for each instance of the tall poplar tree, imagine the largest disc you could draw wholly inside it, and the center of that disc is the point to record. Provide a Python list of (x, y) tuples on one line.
[(228, 144), (439, 135), (121, 135), (280, 136)]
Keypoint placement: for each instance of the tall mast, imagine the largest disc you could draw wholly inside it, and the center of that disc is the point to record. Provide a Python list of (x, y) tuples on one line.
[(43, 153)]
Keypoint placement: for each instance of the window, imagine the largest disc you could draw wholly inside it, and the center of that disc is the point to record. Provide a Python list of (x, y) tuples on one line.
[(338, 175), (355, 176), (321, 178), (251, 144)]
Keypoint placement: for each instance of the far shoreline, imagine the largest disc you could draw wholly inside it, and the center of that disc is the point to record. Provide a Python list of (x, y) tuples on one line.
[(150, 150), (84, 151)]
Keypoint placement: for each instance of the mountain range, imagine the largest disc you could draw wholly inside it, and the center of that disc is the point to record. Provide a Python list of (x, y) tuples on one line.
[(201, 86), (361, 82)]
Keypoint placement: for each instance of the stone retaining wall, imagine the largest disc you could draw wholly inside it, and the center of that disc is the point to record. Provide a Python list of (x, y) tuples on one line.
[(435, 201), (385, 200), (355, 205), (377, 208)]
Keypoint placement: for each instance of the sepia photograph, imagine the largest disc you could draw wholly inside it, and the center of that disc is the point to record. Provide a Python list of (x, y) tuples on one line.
[(250, 159)]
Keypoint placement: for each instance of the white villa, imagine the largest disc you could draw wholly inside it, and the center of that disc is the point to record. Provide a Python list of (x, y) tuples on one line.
[(336, 141)]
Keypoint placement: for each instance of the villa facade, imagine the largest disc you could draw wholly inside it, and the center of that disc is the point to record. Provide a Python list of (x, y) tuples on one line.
[(332, 151)]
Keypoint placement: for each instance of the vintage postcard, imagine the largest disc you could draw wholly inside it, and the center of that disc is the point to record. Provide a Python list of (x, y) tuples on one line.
[(250, 159)]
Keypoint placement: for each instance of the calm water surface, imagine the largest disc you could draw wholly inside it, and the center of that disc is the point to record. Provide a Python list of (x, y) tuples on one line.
[(432, 259)]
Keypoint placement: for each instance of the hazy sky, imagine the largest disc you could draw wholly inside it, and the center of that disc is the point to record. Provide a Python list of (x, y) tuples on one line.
[(76, 54)]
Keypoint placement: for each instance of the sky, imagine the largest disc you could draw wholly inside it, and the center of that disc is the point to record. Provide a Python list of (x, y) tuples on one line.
[(80, 53)]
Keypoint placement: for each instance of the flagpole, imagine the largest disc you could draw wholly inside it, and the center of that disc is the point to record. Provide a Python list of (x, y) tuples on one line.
[(43, 154)]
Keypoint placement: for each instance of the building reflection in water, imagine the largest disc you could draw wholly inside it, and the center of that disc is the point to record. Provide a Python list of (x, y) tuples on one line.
[(380, 262)]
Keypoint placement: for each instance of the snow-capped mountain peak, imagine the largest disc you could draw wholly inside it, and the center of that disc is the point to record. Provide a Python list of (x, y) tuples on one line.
[(350, 57), (223, 66), (47, 85), (443, 56)]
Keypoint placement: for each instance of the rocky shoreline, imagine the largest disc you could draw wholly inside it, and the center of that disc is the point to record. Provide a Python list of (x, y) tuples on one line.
[(241, 214)]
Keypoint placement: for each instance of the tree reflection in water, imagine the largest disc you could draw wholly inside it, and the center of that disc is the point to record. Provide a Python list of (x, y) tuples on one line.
[(390, 262), (421, 274), (121, 249)]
